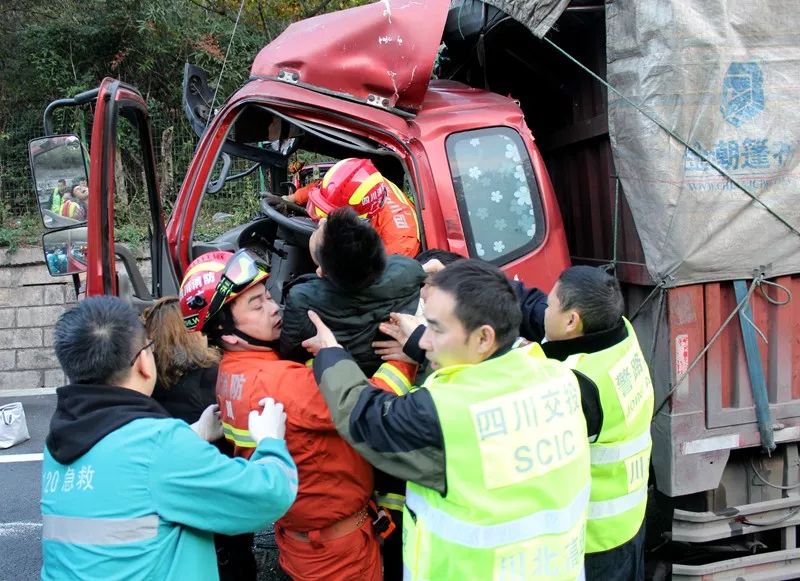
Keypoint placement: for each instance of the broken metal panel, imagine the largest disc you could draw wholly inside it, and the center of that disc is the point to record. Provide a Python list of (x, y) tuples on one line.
[(381, 54), (723, 77)]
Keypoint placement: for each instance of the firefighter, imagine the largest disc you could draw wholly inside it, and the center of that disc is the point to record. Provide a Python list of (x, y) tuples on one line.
[(357, 183), (328, 532), (494, 445)]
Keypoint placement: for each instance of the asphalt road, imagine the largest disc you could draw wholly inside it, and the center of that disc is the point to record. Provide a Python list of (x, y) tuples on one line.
[(20, 481)]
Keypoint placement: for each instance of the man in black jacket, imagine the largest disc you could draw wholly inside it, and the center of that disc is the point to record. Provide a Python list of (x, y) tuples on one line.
[(355, 288)]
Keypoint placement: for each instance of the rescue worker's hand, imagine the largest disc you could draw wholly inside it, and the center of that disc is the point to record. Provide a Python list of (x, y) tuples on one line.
[(400, 326), (209, 426), (324, 337), (270, 423), (433, 266), (288, 198), (391, 350)]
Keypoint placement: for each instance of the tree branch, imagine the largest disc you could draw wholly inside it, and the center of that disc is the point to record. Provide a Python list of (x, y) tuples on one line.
[(320, 7)]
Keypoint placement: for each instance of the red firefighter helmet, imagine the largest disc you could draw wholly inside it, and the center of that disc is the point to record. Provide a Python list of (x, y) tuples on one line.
[(215, 279), (351, 182)]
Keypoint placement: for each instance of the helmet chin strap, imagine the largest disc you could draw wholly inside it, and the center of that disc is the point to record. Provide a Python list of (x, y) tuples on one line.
[(226, 327), (253, 341)]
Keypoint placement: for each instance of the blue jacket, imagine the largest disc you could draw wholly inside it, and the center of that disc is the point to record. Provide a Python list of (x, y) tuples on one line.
[(143, 501)]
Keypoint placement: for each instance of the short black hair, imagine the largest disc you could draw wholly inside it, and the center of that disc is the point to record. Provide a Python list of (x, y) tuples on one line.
[(594, 293), (351, 252), (96, 340), (483, 296), (444, 256)]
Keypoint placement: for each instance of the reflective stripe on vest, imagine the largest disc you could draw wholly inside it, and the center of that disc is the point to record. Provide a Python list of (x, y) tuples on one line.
[(608, 454), (407, 576), (239, 437), (390, 500), (98, 531), (619, 505), (392, 376), (453, 530)]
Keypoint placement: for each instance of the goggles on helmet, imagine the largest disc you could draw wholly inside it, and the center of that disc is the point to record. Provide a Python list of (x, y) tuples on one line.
[(243, 270)]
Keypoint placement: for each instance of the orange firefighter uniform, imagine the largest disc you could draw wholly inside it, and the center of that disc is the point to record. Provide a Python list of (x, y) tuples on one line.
[(396, 222), (327, 533)]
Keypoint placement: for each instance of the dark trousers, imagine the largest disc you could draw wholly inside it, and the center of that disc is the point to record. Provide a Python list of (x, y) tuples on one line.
[(392, 550), (235, 558), (623, 563)]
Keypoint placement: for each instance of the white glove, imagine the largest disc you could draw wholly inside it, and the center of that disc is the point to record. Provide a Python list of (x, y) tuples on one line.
[(209, 426), (270, 423)]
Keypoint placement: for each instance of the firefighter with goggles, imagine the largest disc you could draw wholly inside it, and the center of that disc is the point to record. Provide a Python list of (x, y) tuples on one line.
[(328, 532)]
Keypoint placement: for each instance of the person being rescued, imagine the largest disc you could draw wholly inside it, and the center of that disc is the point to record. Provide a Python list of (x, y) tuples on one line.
[(357, 183), (356, 286)]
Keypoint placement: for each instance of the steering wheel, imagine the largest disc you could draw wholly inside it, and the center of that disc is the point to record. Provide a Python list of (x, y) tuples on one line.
[(278, 202), (302, 225)]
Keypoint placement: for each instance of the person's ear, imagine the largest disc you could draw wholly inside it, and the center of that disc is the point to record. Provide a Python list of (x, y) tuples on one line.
[(230, 339), (145, 365), (485, 338), (319, 272), (574, 323)]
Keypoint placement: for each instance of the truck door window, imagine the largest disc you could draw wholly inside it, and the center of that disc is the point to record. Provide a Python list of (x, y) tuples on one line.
[(132, 219), (497, 193)]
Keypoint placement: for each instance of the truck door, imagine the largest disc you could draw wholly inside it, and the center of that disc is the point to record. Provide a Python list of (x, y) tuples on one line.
[(125, 203)]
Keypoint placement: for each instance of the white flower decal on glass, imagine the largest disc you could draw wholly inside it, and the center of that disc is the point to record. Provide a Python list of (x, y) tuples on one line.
[(523, 196), (479, 249), (482, 213), (474, 142), (500, 224), (530, 232), (519, 173), (512, 152), (499, 246), (475, 172), (497, 197)]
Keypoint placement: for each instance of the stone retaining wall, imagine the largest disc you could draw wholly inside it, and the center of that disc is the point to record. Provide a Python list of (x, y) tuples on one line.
[(30, 303)]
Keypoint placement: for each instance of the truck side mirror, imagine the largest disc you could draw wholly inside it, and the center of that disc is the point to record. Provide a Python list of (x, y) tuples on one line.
[(65, 251), (61, 179)]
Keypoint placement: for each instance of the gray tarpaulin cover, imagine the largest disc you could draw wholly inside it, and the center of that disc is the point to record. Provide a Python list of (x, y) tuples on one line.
[(537, 15), (725, 76)]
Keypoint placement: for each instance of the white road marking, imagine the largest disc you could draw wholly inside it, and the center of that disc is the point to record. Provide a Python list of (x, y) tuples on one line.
[(13, 529), (10, 458), (27, 392)]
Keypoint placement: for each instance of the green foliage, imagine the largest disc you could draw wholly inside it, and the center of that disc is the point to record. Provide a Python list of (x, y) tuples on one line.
[(51, 49)]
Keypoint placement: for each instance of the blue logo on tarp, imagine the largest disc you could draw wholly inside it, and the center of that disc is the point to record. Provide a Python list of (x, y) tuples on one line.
[(742, 93)]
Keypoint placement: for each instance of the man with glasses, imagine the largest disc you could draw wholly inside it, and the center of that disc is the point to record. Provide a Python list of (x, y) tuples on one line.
[(127, 491), (328, 533)]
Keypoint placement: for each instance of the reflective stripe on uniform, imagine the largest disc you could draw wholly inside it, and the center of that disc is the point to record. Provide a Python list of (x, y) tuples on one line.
[(392, 376), (406, 201), (239, 437), (453, 530), (605, 454), (619, 505), (390, 500), (98, 531)]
